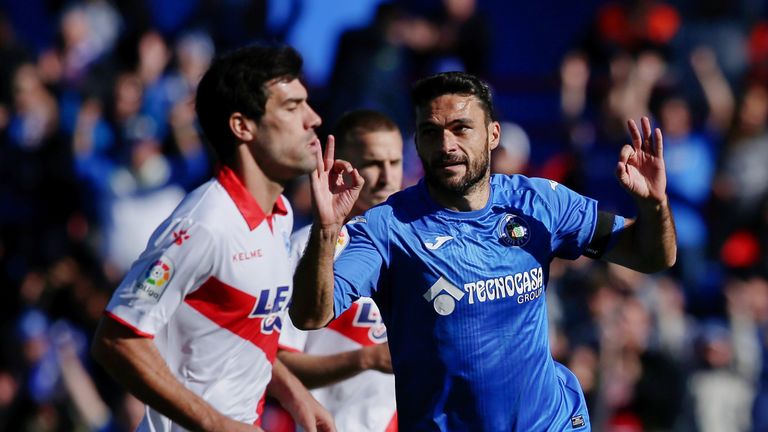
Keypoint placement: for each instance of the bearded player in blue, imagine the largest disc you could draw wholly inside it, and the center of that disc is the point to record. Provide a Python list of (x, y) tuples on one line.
[(459, 265)]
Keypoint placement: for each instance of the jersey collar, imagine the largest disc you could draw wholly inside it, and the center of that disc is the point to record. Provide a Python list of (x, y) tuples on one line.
[(246, 204)]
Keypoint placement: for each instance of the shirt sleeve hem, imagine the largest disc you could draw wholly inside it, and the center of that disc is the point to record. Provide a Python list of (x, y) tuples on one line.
[(288, 348), (128, 325)]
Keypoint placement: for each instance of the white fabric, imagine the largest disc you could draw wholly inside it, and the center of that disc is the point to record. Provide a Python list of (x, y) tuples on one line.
[(365, 402), (209, 324)]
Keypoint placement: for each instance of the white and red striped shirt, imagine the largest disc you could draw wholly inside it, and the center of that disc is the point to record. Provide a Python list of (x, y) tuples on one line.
[(212, 288), (365, 402)]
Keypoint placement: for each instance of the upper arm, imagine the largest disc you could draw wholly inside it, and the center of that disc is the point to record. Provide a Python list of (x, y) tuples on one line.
[(608, 232), (178, 258), (358, 266), (115, 342), (624, 248), (572, 217)]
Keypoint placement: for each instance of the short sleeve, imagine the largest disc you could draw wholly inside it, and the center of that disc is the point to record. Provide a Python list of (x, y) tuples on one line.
[(179, 257), (360, 259), (291, 338), (299, 240), (573, 219)]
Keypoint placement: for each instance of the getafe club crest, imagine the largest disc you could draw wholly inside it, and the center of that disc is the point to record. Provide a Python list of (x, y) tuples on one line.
[(513, 230)]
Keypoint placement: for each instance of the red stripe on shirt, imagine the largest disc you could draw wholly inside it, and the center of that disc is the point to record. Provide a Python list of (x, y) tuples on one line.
[(345, 325), (392, 426), (230, 308)]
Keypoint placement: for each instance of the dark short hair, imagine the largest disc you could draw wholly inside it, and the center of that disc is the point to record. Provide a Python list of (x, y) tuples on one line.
[(353, 124), (237, 82), (428, 89)]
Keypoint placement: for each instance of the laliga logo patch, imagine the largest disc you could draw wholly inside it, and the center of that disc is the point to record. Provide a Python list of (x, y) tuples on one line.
[(514, 231), (341, 242), (156, 279)]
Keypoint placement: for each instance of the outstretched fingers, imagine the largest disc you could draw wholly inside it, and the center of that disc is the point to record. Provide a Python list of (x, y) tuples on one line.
[(330, 151), (320, 163), (659, 143), (634, 133), (646, 143)]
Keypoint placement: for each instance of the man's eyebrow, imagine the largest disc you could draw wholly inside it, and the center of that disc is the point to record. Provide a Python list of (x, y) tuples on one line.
[(296, 100), (458, 121)]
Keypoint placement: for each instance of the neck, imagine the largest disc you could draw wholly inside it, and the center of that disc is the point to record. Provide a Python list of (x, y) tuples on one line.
[(263, 189), (475, 198)]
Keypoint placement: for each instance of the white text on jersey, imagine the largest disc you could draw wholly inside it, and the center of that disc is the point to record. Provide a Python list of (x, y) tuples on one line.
[(527, 285)]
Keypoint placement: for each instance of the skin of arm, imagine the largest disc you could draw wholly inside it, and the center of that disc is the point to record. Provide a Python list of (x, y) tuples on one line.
[(716, 89), (136, 363), (648, 243), (312, 304), (296, 399), (318, 371), (333, 199)]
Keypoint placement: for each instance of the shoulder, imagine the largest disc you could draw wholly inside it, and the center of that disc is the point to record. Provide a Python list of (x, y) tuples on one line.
[(203, 202), (299, 240), (521, 182), (509, 187)]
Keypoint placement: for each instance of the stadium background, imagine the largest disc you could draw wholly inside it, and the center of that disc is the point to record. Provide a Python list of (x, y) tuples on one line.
[(98, 143)]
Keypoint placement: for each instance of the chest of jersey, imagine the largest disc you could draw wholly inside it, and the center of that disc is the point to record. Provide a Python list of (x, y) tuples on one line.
[(495, 263), (250, 284)]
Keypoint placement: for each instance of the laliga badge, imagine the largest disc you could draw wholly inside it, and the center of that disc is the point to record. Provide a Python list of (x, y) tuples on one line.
[(341, 242), (156, 279), (514, 231)]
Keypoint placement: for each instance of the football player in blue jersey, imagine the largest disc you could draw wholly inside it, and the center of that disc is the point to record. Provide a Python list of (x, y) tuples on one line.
[(459, 265)]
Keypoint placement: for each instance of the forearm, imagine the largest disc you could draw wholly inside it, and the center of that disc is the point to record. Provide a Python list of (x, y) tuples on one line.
[(308, 414), (285, 386), (136, 364), (312, 304), (648, 243), (319, 371)]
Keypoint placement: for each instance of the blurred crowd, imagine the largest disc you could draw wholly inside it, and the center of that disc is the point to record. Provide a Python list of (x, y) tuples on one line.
[(99, 142)]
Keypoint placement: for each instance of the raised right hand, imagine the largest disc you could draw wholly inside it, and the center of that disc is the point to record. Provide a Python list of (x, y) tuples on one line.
[(332, 197)]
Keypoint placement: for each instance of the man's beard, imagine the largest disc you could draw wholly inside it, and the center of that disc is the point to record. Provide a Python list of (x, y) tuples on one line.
[(476, 172)]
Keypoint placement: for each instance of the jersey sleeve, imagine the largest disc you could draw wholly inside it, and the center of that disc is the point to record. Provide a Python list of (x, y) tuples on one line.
[(179, 257), (299, 240), (573, 218), (360, 259), (291, 338)]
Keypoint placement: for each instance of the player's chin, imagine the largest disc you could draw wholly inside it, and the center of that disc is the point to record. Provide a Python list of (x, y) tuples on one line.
[(306, 165)]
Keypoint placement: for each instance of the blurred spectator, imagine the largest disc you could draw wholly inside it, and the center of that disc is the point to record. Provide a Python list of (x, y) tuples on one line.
[(637, 24), (721, 399), (690, 159), (460, 40), (514, 151), (741, 182), (369, 57)]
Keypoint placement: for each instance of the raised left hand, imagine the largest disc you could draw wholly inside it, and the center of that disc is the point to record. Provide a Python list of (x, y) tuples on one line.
[(640, 169)]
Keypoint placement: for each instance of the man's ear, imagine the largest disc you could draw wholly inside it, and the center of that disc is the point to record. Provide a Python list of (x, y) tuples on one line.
[(494, 134), (243, 128)]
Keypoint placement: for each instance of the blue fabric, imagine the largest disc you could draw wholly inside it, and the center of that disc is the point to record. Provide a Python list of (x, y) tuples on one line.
[(463, 298)]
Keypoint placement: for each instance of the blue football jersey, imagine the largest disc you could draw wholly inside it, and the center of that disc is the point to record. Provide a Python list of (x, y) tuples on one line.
[(463, 297)]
